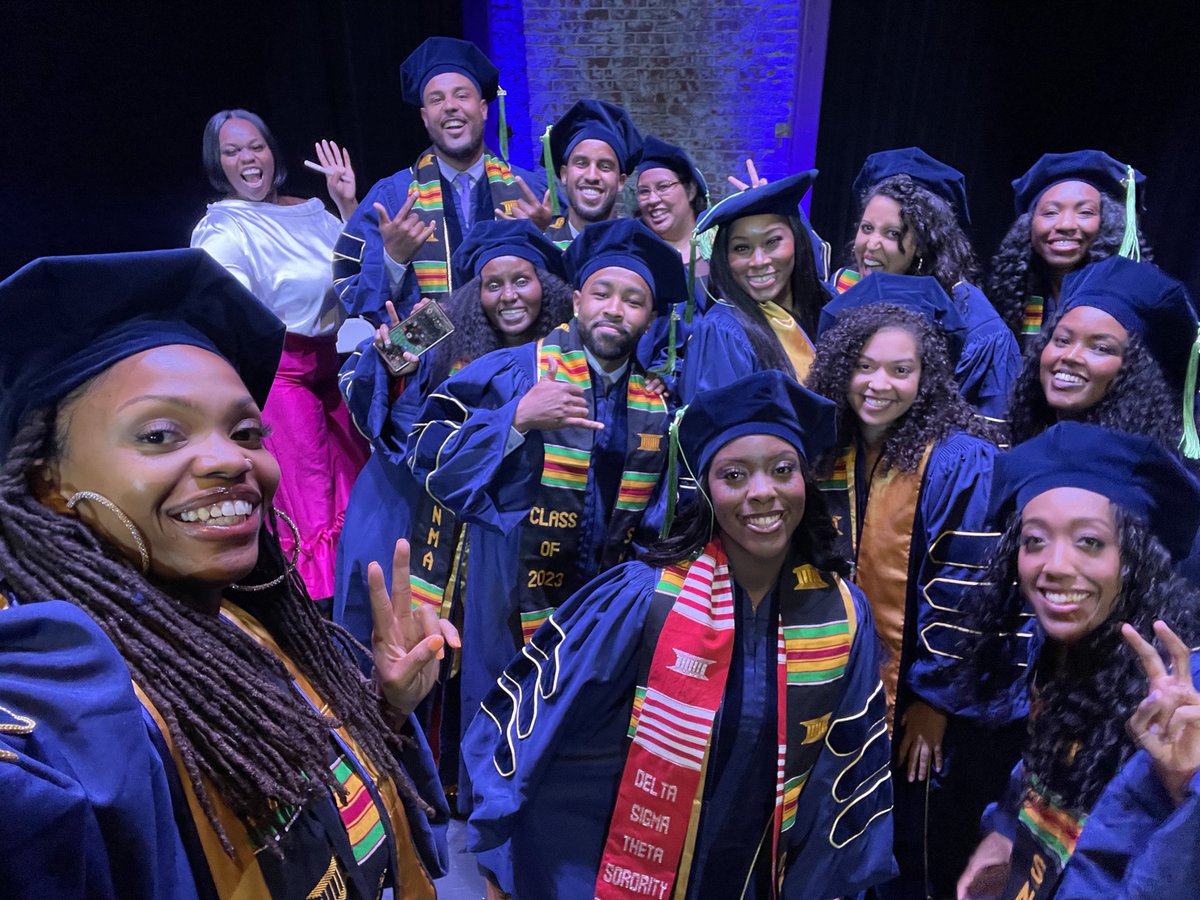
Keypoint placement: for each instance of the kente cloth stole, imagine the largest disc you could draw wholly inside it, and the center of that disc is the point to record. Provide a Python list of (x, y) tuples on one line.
[(438, 543), (845, 279), (1031, 318), (431, 264), (559, 233), (879, 546), (1045, 839), (652, 833), (548, 568)]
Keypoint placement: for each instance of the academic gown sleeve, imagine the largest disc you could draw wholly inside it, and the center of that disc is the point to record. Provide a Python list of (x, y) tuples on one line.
[(87, 809), (462, 447), (1136, 843), (718, 353), (359, 275), (990, 360), (957, 540), (547, 750)]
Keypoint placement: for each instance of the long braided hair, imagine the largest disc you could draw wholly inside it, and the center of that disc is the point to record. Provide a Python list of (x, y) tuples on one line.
[(226, 700)]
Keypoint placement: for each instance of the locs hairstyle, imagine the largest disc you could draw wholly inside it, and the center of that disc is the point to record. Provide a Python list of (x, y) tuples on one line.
[(210, 149), (1018, 273), (808, 295), (938, 410), (227, 701), (942, 247)]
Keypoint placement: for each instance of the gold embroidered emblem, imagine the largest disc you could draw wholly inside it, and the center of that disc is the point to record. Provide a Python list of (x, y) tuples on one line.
[(509, 206), (650, 442), (808, 578), (816, 729), (332, 885), (837, 524)]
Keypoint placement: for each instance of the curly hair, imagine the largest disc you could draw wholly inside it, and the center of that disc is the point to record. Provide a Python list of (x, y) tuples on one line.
[(1018, 273), (814, 540), (1077, 739), (227, 701), (938, 410), (808, 295), (474, 335), (1138, 400), (942, 247)]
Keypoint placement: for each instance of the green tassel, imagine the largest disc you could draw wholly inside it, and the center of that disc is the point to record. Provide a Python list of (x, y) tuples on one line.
[(1129, 244), (1190, 444), (501, 93), (548, 162), (690, 309), (673, 454)]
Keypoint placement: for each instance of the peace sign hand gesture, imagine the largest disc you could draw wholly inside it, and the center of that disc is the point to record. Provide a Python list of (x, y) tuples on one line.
[(403, 235), (1167, 723), (529, 207), (551, 404), (406, 643), (752, 174)]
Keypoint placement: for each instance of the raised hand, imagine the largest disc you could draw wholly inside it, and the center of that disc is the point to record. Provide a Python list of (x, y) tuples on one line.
[(924, 727), (406, 643), (752, 174), (1167, 723), (383, 338), (339, 176), (529, 207), (403, 235), (551, 404)]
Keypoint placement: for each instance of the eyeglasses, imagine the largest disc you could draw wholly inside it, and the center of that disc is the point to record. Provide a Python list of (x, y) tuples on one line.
[(661, 189)]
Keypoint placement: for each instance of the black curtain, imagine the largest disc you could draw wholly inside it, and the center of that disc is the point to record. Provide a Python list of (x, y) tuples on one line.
[(989, 87), (102, 106)]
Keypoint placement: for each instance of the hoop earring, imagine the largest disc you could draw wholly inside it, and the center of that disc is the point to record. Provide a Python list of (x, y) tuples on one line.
[(121, 517), (278, 579)]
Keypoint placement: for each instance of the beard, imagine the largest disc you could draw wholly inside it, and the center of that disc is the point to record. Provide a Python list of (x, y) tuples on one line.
[(466, 152), (606, 345)]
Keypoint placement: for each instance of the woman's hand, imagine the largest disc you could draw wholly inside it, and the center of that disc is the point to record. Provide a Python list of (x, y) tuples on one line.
[(1167, 723), (656, 385), (339, 177), (406, 643), (924, 727), (752, 174), (383, 342), (987, 870)]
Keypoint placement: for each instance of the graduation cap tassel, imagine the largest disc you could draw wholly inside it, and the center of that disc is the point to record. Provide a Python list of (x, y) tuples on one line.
[(1190, 444), (548, 162), (673, 453), (1130, 248), (690, 310), (501, 93)]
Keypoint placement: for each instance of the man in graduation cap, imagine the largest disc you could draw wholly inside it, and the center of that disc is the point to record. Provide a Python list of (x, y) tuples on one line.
[(552, 452), (397, 245), (593, 148)]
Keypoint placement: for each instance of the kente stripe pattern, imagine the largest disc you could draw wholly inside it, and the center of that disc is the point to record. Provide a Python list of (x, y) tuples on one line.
[(565, 467), (360, 815), (817, 654)]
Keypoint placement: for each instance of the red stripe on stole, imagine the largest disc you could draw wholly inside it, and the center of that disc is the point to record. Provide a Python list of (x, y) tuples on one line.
[(822, 653)]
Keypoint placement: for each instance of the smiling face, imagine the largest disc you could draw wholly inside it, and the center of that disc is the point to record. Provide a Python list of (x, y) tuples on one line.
[(511, 294), (762, 256), (173, 438), (666, 205), (757, 491), (614, 308), (1065, 222), (593, 182), (454, 112), (885, 382), (1069, 561), (246, 160), (1083, 357), (882, 243)]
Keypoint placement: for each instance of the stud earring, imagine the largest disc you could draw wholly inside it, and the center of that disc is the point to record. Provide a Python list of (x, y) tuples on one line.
[(121, 517)]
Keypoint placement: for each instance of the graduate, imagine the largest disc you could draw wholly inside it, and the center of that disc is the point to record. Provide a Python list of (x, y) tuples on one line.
[(907, 484), (1120, 355), (1072, 209), (1093, 521), (671, 194), (135, 487), (912, 210), (593, 148), (707, 722), (764, 291), (398, 244), (552, 452)]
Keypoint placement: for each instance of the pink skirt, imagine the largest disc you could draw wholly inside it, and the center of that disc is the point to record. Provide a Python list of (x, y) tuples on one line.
[(319, 451)]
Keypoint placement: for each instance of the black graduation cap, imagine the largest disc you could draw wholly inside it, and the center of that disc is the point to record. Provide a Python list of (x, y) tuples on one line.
[(505, 237), (71, 317), (600, 121), (1094, 167), (939, 178), (629, 244), (437, 55), (1133, 471)]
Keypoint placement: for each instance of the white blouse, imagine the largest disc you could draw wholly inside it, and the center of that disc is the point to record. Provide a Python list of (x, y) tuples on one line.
[(282, 254)]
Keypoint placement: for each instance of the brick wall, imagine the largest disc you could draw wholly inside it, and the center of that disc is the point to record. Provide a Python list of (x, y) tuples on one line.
[(721, 79)]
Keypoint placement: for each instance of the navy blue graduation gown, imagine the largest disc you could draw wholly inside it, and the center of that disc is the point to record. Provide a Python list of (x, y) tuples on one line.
[(718, 353), (545, 783), (990, 360)]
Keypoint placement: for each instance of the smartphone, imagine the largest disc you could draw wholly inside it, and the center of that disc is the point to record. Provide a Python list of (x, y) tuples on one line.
[(415, 335)]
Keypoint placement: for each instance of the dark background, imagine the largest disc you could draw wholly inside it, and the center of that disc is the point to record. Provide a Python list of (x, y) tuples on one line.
[(103, 105)]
